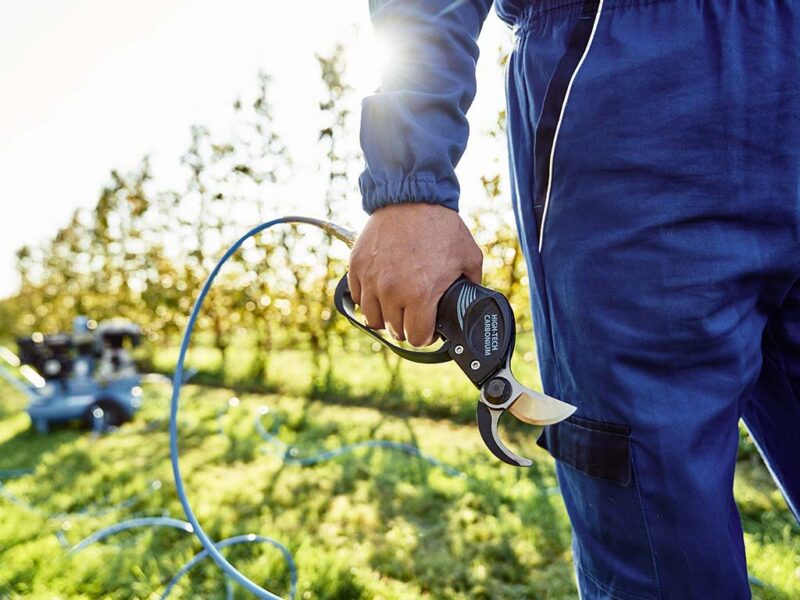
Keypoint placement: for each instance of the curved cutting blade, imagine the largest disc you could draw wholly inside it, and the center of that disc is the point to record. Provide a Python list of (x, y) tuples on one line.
[(539, 409), (487, 426)]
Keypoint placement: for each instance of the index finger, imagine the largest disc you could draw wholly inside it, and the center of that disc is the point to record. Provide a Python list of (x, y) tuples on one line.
[(355, 287)]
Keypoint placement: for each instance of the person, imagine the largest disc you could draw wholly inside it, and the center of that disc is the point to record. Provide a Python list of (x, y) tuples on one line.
[(655, 175)]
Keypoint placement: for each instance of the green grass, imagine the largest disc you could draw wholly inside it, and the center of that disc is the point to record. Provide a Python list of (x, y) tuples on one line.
[(360, 376), (373, 524)]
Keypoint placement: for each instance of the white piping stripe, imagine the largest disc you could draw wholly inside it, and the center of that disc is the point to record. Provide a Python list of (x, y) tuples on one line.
[(465, 298), (461, 308), (561, 118)]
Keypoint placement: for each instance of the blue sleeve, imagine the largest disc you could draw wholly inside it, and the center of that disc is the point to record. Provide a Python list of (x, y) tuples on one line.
[(414, 129)]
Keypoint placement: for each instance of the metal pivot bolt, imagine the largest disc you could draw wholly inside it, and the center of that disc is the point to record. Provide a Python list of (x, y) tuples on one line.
[(475, 365), (496, 390), (459, 349)]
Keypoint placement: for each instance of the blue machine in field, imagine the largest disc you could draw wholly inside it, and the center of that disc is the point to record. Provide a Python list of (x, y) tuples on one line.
[(88, 374)]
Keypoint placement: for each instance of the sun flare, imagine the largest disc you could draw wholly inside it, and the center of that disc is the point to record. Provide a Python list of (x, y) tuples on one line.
[(370, 59)]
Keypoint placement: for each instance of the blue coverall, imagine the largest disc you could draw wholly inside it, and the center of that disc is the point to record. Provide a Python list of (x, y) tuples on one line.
[(655, 168)]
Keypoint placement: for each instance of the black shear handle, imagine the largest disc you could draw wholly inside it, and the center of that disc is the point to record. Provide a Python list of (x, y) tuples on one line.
[(345, 305)]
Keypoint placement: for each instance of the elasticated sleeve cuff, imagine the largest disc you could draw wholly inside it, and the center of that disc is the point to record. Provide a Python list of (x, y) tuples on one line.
[(429, 191)]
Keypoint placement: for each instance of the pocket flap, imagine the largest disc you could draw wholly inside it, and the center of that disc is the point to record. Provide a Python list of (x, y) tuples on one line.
[(597, 449)]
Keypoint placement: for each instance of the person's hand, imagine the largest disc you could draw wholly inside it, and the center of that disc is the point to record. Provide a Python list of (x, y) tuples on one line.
[(404, 260)]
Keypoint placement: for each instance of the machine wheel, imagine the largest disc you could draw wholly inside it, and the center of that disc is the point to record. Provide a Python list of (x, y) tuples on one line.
[(113, 415)]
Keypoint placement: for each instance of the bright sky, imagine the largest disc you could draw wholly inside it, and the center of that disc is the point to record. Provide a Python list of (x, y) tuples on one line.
[(91, 85)]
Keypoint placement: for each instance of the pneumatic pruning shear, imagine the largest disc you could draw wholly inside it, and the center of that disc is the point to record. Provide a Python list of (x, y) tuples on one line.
[(478, 329)]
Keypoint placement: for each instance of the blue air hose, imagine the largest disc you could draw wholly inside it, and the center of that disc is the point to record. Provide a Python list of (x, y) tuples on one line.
[(177, 381), (11, 473), (231, 541), (84, 512), (187, 527), (290, 454), (131, 524)]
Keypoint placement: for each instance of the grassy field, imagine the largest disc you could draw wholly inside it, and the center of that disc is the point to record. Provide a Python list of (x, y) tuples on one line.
[(374, 523), (360, 376)]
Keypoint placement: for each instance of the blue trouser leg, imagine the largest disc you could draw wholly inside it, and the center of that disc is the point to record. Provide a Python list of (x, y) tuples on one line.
[(665, 197)]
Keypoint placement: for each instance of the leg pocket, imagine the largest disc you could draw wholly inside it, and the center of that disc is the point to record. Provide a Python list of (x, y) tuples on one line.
[(611, 544)]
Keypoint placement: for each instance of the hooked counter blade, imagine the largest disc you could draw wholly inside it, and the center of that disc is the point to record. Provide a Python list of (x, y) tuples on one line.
[(536, 408), (487, 426)]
